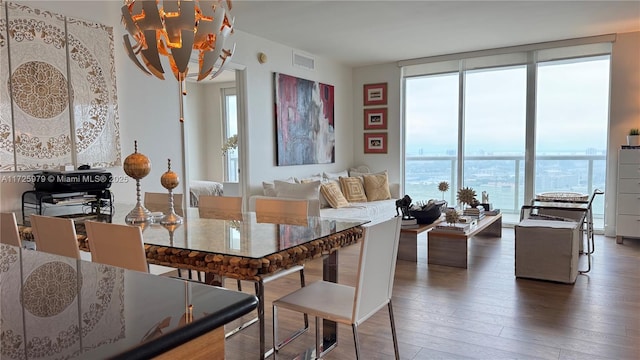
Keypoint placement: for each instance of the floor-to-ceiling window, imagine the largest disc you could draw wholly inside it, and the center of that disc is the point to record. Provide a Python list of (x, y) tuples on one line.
[(571, 127), (230, 128), (491, 123), (494, 134), (431, 148)]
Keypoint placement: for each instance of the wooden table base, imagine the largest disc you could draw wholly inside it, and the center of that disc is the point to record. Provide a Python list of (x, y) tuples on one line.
[(450, 249)]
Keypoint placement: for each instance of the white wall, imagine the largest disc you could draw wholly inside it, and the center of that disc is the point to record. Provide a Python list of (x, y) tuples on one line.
[(261, 139), (624, 113)]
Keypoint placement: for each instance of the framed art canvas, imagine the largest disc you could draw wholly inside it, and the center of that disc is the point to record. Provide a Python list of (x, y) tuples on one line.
[(375, 119), (375, 94), (375, 143), (304, 121)]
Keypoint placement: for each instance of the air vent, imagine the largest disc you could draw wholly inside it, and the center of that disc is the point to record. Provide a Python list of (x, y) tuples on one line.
[(304, 61)]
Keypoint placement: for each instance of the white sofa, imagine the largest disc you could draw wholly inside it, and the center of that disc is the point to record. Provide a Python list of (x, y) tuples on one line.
[(374, 211)]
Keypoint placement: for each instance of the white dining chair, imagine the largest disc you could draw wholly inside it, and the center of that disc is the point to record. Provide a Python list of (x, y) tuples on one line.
[(9, 233), (220, 207), (282, 211), (346, 304), (117, 245), (55, 235), (159, 202), (277, 211)]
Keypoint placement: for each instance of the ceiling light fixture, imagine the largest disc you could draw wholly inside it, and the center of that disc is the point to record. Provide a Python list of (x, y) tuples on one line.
[(175, 29)]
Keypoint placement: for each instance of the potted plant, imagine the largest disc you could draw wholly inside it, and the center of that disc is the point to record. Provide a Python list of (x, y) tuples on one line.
[(633, 138)]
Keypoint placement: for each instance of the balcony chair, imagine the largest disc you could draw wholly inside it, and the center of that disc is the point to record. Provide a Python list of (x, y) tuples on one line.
[(9, 229), (346, 304), (55, 235), (117, 245)]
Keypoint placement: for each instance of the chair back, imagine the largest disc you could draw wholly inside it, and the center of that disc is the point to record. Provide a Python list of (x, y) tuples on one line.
[(376, 269), (9, 233), (117, 245), (55, 235), (220, 207), (282, 211), (160, 202)]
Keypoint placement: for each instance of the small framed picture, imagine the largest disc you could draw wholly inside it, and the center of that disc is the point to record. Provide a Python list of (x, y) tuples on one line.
[(375, 143), (375, 94), (375, 119)]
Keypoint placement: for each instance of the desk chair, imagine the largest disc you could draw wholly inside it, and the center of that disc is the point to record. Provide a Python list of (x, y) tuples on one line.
[(346, 304), (155, 202), (220, 207), (117, 245), (55, 235), (9, 229)]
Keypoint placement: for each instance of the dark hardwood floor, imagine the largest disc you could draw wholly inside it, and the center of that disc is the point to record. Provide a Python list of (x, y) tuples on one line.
[(483, 312)]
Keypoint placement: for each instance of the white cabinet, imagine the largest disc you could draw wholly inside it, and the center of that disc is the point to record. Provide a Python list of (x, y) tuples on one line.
[(628, 196)]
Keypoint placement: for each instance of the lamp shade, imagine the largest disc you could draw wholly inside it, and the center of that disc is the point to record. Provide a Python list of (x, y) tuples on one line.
[(175, 29)]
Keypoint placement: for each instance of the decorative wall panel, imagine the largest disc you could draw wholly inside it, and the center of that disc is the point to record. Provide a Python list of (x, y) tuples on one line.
[(58, 99)]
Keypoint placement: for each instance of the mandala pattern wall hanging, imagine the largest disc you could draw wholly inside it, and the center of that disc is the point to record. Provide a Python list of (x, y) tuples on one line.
[(58, 102)]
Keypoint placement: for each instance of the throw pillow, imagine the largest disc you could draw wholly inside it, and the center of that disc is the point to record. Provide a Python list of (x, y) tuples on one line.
[(308, 191), (268, 187), (324, 203), (352, 189), (376, 186), (331, 192)]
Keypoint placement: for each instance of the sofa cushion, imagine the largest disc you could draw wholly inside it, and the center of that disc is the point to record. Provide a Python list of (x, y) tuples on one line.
[(332, 193), (335, 176), (353, 189), (376, 186), (323, 201), (268, 187), (307, 191)]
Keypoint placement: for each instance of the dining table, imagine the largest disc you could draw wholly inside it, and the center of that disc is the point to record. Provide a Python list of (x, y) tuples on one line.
[(247, 249), (56, 307)]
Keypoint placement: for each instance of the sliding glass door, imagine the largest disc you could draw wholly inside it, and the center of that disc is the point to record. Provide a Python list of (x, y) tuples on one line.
[(432, 138), (571, 127), (509, 125), (494, 134)]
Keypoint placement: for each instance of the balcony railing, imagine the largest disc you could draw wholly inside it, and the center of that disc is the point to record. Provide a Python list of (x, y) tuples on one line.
[(502, 177)]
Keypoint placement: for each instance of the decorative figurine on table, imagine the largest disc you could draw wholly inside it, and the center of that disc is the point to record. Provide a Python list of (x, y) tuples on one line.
[(137, 166), (170, 180), (485, 197), (403, 206)]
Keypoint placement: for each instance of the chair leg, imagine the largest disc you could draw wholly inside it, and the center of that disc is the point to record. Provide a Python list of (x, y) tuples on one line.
[(356, 341), (318, 338), (393, 331), (302, 284), (260, 295), (275, 332)]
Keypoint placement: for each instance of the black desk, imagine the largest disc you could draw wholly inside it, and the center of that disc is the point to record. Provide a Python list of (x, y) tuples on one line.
[(65, 307)]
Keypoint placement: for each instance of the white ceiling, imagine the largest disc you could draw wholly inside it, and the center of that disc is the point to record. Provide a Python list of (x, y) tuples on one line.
[(360, 33)]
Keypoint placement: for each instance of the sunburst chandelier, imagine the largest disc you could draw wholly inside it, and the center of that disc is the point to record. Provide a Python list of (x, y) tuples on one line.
[(175, 29)]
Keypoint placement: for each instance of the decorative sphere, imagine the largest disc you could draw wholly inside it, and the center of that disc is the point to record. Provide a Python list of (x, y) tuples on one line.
[(137, 165), (169, 180)]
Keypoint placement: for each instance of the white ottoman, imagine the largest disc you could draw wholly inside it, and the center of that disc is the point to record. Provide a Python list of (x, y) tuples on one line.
[(547, 250)]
